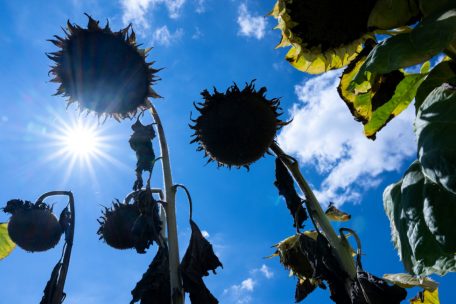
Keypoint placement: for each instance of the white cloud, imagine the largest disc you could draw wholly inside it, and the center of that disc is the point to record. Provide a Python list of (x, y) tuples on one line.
[(264, 270), (205, 233), (240, 294), (323, 134), (135, 10), (162, 36), (200, 6), (250, 26), (197, 34)]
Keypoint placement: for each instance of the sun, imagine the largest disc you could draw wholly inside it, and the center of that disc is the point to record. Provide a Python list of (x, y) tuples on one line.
[(82, 141)]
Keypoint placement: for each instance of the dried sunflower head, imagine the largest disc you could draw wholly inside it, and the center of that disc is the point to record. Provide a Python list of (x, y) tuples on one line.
[(323, 34), (116, 225), (237, 127), (103, 71), (33, 227)]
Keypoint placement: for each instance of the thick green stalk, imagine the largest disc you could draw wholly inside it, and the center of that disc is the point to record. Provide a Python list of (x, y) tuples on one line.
[(316, 213), (170, 195)]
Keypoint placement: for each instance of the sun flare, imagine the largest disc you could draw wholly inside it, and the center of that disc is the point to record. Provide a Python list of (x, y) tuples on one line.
[(81, 141)]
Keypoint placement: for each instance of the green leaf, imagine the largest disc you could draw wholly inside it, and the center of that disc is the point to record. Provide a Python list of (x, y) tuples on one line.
[(403, 96), (406, 280), (443, 72), (428, 7), (422, 247), (435, 126), (388, 14), (6, 244), (426, 40)]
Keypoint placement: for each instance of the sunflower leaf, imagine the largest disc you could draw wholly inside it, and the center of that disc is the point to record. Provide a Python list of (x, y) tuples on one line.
[(336, 215), (196, 263), (154, 286), (285, 185), (435, 125), (423, 234), (141, 142), (427, 39), (406, 280), (379, 98), (6, 244), (426, 297), (445, 71)]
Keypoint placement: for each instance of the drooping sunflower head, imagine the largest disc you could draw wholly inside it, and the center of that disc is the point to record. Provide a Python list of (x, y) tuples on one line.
[(116, 225), (323, 34), (102, 71), (237, 127), (33, 227)]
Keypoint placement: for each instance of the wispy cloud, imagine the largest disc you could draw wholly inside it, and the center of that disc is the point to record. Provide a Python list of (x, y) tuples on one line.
[(249, 25), (162, 36), (241, 293), (264, 270), (135, 11), (324, 135), (200, 6)]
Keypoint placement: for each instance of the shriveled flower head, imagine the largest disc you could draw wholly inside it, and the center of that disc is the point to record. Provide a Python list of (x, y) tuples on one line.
[(116, 224), (33, 226), (237, 127), (103, 71), (323, 34)]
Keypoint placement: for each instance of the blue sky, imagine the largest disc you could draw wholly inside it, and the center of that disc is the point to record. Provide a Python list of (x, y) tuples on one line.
[(200, 44)]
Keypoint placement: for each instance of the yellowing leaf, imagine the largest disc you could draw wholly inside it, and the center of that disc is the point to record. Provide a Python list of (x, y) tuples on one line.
[(6, 244), (406, 280), (336, 215), (403, 96), (377, 98), (426, 297)]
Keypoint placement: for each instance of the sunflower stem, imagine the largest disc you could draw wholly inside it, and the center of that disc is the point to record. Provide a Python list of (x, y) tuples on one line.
[(58, 294), (170, 195), (317, 214)]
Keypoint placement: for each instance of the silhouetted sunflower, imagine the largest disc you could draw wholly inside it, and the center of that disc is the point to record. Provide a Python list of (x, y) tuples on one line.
[(103, 71), (236, 128), (323, 34), (33, 226)]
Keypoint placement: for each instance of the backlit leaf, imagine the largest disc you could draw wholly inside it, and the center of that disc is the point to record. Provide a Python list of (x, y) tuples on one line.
[(427, 39), (406, 280), (6, 244), (388, 14), (426, 297), (336, 215), (403, 96)]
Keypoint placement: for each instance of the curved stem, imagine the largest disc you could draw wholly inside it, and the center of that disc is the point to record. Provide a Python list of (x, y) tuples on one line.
[(316, 213), (170, 193), (188, 197), (58, 295)]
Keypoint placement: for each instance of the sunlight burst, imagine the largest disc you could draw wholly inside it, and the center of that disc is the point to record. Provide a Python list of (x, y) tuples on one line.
[(81, 141)]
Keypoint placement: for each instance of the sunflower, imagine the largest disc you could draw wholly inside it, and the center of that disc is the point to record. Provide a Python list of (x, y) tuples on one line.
[(33, 226), (323, 34), (237, 127), (102, 71)]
